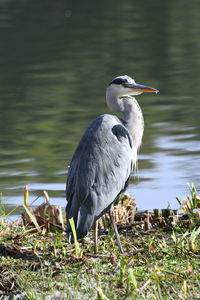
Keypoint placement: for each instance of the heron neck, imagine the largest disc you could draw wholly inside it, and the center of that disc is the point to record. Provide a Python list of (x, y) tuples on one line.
[(133, 116)]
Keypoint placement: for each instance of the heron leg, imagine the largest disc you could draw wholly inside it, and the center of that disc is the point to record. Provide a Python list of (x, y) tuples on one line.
[(115, 229), (96, 237)]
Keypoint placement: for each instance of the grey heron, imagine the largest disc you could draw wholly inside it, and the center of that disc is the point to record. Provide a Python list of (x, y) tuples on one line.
[(106, 155)]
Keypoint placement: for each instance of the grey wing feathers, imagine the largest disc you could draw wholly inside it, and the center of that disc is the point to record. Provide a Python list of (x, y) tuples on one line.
[(99, 170)]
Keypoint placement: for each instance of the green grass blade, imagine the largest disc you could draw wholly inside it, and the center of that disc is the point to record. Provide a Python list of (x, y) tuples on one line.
[(26, 195), (76, 244)]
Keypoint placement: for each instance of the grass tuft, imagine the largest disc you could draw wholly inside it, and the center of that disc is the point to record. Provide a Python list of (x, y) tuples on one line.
[(190, 206)]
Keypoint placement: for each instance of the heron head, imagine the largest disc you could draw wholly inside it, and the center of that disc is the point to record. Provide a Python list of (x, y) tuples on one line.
[(125, 85)]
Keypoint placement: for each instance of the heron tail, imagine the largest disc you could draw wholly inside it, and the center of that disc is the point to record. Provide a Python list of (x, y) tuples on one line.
[(83, 221)]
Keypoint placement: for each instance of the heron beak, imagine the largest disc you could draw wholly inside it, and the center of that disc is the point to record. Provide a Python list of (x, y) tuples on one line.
[(142, 88)]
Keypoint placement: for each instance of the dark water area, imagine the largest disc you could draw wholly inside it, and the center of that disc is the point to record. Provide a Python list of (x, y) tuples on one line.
[(57, 58)]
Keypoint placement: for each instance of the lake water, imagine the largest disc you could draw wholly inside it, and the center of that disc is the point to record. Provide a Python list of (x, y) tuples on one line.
[(57, 58)]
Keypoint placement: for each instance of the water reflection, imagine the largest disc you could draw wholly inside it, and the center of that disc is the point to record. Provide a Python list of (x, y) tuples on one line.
[(56, 60)]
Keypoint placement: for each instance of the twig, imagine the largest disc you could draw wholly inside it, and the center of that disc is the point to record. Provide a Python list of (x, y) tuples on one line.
[(46, 196), (97, 255)]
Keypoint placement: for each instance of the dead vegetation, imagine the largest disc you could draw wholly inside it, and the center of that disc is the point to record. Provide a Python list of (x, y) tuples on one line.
[(45, 217), (49, 218)]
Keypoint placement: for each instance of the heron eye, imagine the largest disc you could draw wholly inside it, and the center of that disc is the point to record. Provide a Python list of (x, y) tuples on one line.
[(127, 84)]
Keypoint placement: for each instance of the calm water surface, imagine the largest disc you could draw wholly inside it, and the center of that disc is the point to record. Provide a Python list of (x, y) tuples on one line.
[(57, 58)]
